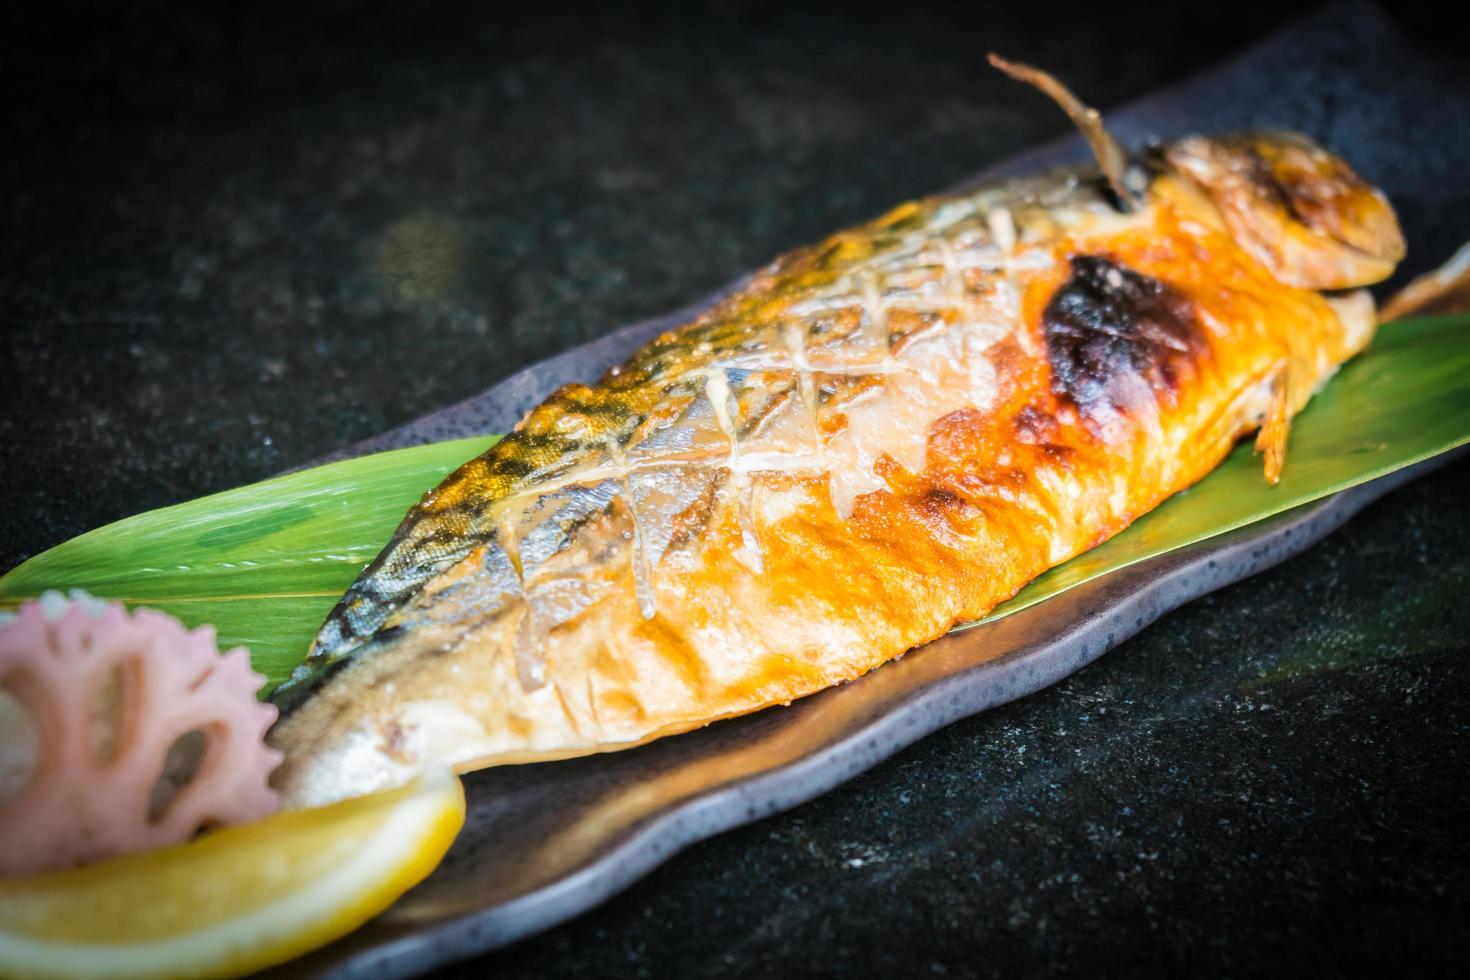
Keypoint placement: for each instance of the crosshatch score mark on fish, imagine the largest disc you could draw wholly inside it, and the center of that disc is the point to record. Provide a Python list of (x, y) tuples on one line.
[(880, 436)]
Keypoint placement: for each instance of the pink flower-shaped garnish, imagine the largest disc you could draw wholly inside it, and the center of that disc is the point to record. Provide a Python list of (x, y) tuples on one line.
[(142, 732)]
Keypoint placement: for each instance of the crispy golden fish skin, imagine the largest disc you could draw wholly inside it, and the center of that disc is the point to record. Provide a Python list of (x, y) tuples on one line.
[(881, 436)]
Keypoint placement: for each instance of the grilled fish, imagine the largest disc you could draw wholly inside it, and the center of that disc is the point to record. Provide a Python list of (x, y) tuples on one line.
[(879, 437)]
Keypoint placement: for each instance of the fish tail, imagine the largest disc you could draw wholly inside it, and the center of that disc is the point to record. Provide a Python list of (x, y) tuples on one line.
[(1443, 290)]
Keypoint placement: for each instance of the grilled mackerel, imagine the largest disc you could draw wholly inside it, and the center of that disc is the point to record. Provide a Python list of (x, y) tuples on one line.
[(881, 436)]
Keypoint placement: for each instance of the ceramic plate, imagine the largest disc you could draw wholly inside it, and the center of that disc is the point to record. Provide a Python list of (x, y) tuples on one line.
[(545, 842)]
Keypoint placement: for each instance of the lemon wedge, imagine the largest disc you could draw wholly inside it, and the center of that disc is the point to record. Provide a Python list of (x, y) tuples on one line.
[(236, 900)]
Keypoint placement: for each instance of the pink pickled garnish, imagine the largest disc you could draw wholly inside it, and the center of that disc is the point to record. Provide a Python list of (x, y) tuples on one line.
[(109, 695)]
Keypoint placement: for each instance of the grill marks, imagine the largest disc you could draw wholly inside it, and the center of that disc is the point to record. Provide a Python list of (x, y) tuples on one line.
[(768, 382), (1118, 342), (450, 522)]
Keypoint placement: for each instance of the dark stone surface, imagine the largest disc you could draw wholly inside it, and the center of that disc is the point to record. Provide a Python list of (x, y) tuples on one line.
[(234, 242), (237, 240), (1271, 781)]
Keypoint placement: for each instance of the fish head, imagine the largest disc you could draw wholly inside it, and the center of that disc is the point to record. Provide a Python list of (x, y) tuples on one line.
[(1297, 208)]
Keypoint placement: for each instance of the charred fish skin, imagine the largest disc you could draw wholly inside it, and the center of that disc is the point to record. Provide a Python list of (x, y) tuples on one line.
[(879, 437), (749, 333)]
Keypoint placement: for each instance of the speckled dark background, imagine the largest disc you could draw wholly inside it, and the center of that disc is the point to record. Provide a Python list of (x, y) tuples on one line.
[(232, 242)]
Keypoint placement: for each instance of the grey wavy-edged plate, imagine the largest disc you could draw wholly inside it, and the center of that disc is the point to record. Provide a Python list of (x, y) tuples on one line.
[(545, 842)]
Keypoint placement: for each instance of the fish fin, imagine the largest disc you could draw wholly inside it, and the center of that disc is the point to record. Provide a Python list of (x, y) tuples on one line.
[(1444, 290), (1271, 439), (1111, 156)]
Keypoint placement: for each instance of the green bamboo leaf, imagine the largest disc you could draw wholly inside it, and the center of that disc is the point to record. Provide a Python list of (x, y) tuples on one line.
[(265, 563), (1403, 400)]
